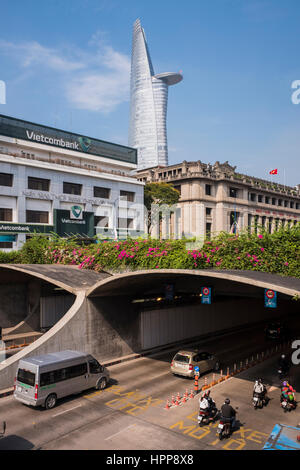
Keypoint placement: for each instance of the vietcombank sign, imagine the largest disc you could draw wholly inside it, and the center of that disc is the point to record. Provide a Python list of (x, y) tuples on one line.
[(25, 228), (73, 222), (29, 131)]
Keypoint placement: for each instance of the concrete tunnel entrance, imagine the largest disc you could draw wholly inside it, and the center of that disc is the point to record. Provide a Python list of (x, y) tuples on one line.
[(133, 313), (29, 307)]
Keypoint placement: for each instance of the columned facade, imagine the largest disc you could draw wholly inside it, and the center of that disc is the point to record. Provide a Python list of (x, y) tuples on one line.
[(215, 198)]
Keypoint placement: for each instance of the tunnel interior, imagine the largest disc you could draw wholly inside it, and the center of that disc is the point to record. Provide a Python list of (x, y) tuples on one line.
[(29, 303), (135, 313)]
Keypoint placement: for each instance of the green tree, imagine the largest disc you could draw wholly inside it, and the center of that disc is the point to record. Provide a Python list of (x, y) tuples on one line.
[(159, 194)]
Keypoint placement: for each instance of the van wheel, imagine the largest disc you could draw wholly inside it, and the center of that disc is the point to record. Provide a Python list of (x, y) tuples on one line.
[(101, 384), (50, 401)]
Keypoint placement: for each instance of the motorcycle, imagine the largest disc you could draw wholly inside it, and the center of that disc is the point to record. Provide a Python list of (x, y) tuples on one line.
[(205, 417), (224, 428), (258, 400), (289, 403)]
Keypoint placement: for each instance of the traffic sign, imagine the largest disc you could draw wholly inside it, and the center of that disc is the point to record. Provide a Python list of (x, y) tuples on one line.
[(270, 298)]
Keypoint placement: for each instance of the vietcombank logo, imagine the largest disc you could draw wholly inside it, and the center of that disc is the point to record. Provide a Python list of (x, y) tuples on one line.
[(76, 212), (85, 143)]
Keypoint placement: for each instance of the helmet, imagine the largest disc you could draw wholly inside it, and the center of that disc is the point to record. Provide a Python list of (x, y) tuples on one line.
[(227, 401)]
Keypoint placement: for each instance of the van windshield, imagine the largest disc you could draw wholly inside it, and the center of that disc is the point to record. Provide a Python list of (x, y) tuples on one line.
[(26, 377)]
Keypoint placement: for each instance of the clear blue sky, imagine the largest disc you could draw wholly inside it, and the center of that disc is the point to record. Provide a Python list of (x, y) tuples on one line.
[(66, 63)]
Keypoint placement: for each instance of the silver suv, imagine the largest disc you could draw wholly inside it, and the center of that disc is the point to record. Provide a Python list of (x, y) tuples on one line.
[(183, 362)]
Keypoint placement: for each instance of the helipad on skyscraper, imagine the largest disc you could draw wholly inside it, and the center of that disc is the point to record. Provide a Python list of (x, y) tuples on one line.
[(148, 104)]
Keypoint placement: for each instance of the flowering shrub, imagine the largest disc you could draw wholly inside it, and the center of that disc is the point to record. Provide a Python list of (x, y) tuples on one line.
[(276, 253)]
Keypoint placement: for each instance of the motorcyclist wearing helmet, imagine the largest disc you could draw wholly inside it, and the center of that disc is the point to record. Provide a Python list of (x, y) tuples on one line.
[(211, 402), (259, 389), (286, 391), (203, 403), (228, 413)]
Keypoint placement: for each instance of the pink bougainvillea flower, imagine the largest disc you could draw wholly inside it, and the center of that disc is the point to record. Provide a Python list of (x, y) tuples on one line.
[(262, 249), (238, 257), (260, 236), (286, 263)]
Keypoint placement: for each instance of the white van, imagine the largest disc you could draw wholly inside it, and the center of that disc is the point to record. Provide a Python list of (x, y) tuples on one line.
[(42, 380)]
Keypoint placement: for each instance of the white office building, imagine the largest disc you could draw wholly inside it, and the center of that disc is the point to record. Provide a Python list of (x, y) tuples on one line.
[(56, 181)]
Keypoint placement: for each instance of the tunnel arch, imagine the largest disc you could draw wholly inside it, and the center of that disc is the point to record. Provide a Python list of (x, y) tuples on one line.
[(285, 285)]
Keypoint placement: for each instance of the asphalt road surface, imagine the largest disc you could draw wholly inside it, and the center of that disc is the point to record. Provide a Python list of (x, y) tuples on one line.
[(130, 413)]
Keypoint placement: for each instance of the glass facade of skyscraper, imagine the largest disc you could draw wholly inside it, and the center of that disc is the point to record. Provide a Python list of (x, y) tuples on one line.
[(148, 105)]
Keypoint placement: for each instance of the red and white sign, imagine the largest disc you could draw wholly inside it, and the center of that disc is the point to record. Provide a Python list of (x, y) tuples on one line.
[(270, 294), (205, 291)]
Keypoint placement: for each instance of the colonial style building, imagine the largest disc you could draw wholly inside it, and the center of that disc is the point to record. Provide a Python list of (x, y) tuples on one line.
[(215, 198), (56, 181)]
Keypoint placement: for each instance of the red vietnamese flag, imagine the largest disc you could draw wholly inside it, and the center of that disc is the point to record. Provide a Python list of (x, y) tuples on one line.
[(273, 172)]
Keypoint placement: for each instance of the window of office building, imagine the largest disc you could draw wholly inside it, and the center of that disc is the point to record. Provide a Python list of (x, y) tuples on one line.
[(280, 202), (208, 189), (291, 204), (6, 215), (125, 223), (270, 224), (250, 221), (234, 216), (233, 192), (208, 211), (101, 221), (6, 179), (297, 205), (286, 203), (127, 195), (276, 224), (273, 201), (5, 245), (263, 221), (267, 200), (208, 230), (259, 198), (37, 217), (252, 197), (40, 184), (255, 223), (104, 193), (72, 188)]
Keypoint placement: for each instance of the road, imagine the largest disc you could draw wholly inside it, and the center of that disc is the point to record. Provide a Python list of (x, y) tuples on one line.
[(131, 414)]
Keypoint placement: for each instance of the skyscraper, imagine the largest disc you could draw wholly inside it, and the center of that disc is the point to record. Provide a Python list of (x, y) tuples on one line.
[(148, 104)]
